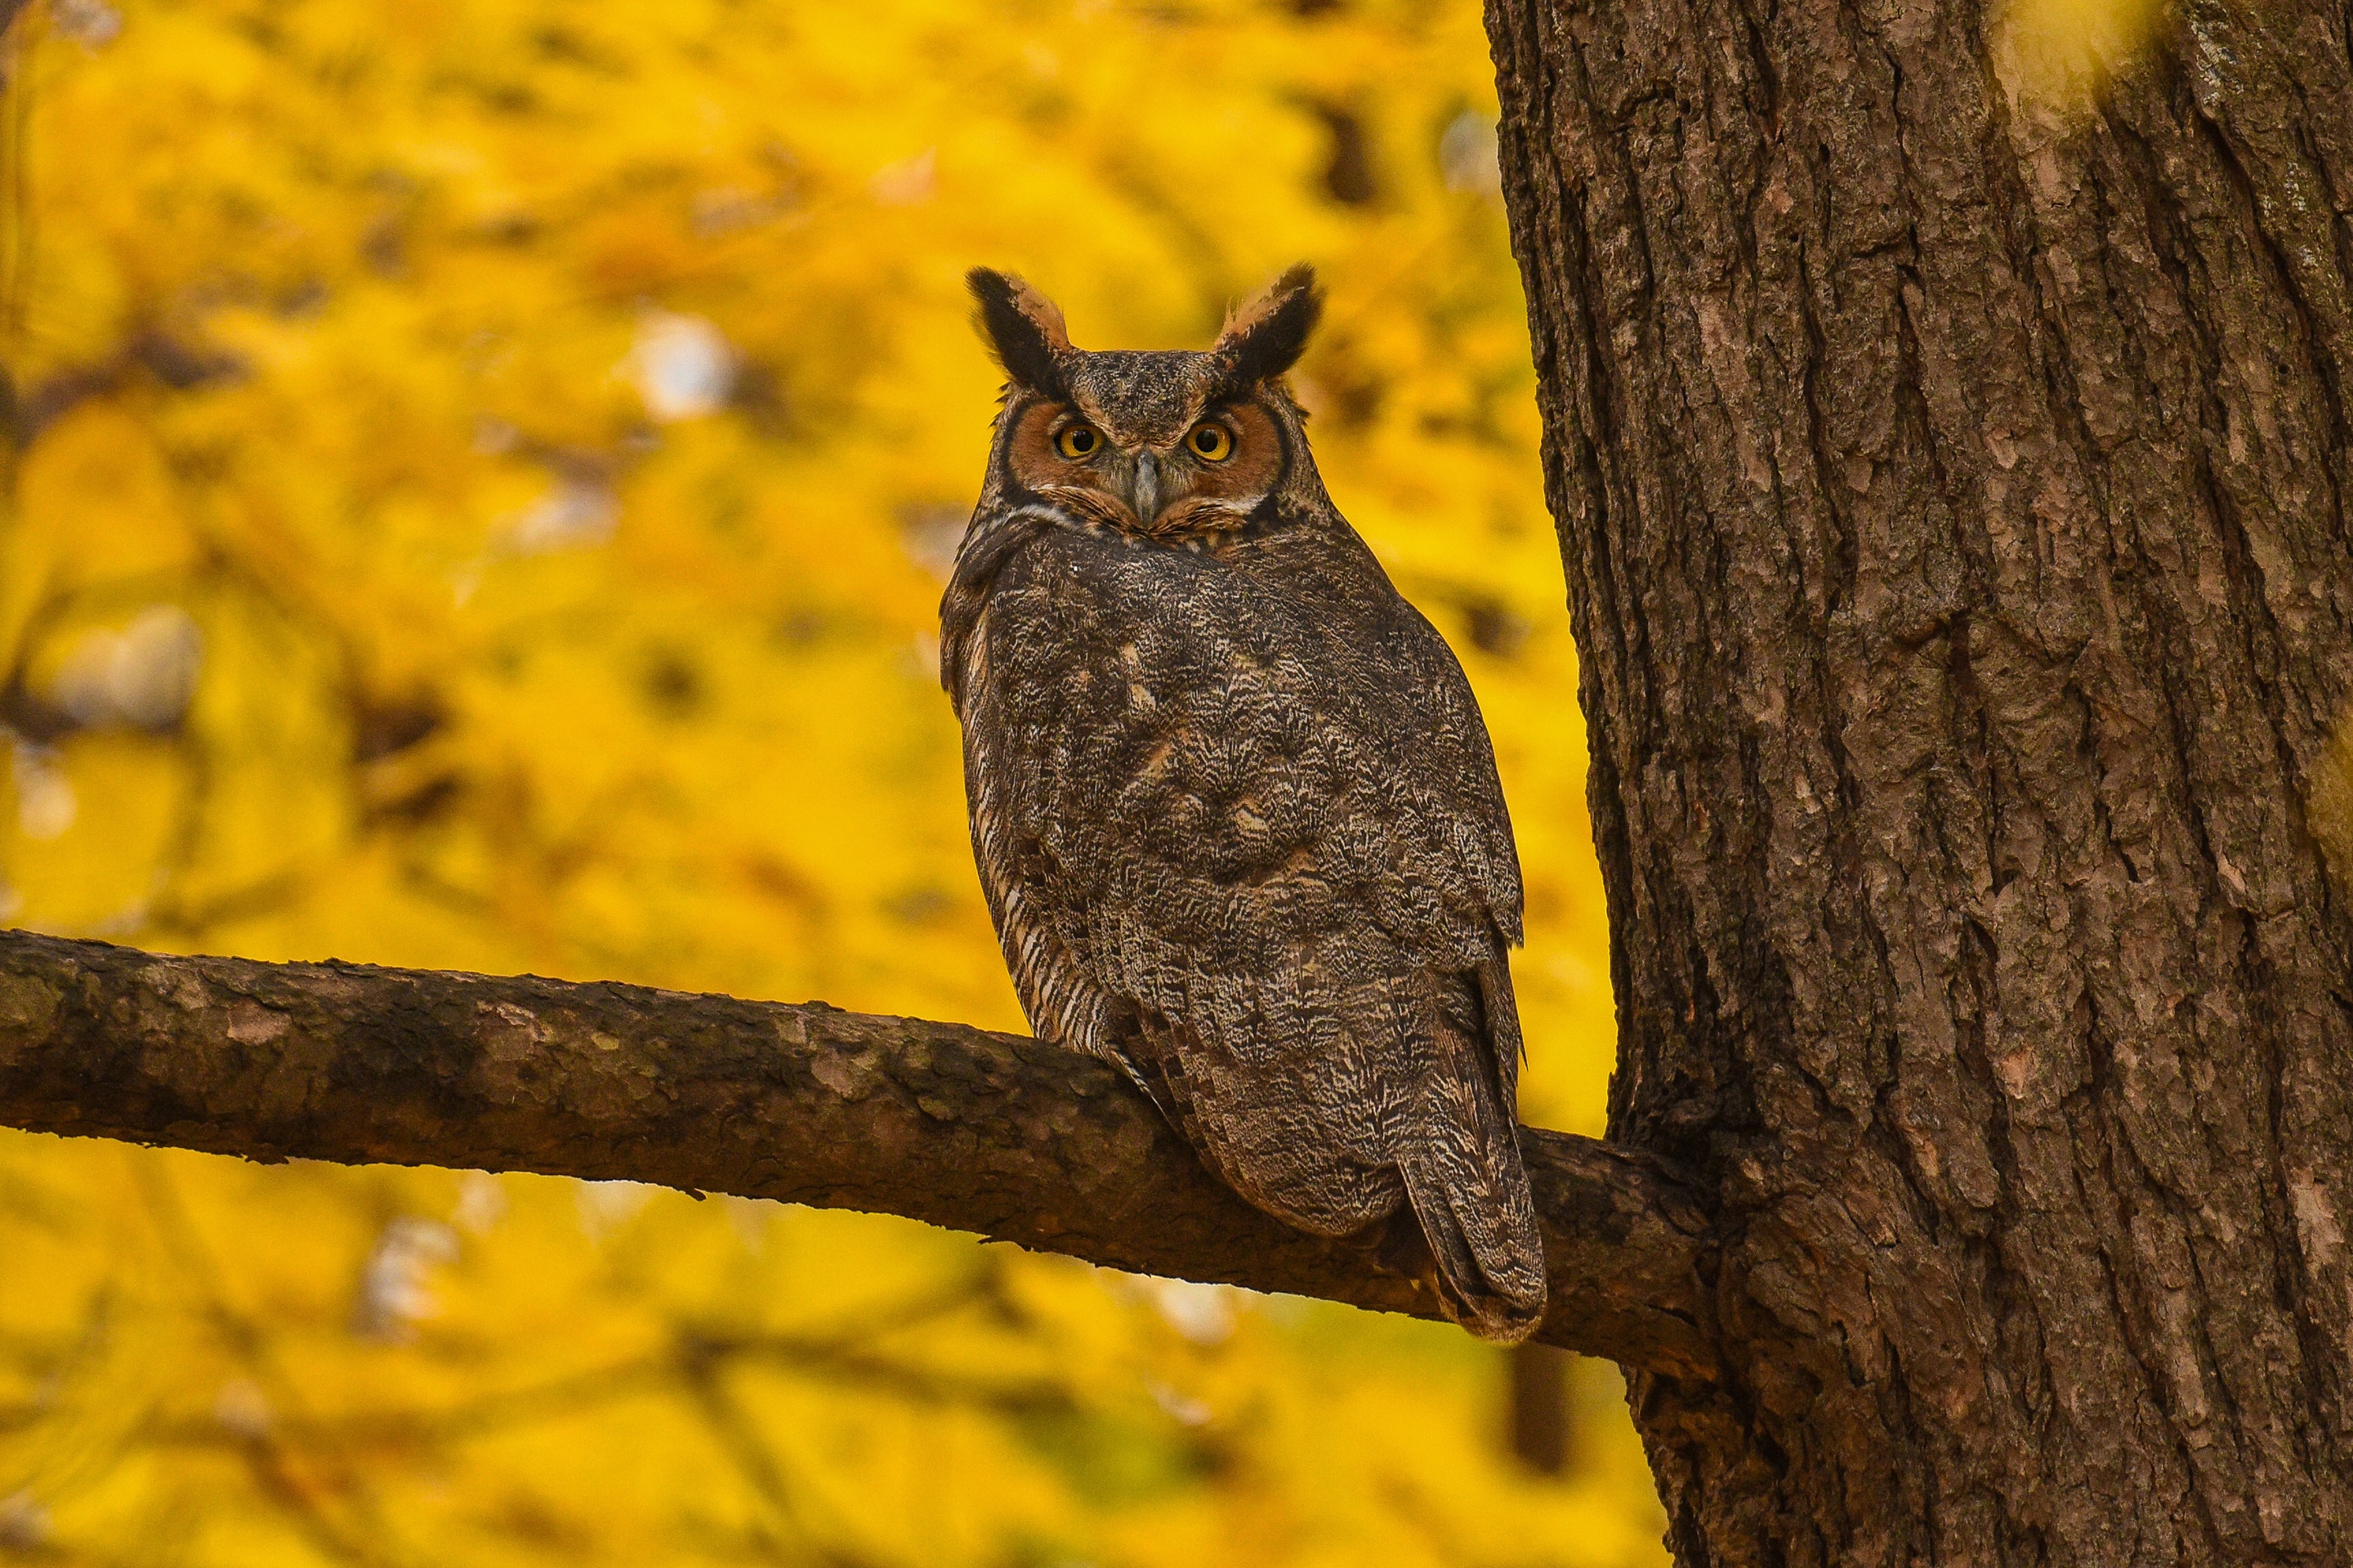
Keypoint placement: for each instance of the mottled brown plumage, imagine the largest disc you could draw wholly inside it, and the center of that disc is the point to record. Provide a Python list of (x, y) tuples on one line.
[(1233, 803)]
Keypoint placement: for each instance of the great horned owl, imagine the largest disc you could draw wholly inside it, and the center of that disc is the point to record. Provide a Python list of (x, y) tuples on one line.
[(1234, 806)]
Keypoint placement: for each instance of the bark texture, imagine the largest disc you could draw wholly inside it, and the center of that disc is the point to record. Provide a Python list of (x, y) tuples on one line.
[(975, 1131), (1952, 489)]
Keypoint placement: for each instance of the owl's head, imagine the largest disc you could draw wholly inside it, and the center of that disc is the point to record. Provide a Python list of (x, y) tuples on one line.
[(1169, 445)]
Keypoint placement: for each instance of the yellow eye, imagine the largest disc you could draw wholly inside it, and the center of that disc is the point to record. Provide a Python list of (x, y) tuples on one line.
[(1212, 442), (1077, 442)]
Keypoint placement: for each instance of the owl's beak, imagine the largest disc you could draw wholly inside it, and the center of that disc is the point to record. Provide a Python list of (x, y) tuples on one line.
[(1142, 491)]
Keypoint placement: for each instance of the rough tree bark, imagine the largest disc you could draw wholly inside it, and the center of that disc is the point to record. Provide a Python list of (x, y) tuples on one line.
[(1952, 487), (942, 1122)]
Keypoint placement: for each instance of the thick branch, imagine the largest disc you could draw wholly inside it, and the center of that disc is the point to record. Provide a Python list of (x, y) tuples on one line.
[(955, 1126)]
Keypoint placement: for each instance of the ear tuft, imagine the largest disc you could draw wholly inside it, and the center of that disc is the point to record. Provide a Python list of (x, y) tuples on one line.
[(1024, 328), (1264, 338)]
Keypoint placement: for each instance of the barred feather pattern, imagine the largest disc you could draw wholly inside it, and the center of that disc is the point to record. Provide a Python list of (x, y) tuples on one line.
[(1239, 824)]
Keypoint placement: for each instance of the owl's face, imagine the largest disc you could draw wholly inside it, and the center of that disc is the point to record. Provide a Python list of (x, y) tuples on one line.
[(1165, 445)]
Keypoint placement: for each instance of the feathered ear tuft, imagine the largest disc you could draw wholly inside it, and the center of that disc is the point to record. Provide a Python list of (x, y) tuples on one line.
[(1025, 329), (1264, 338)]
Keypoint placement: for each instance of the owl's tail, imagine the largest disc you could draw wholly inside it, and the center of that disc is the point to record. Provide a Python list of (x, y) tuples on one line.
[(1467, 1186)]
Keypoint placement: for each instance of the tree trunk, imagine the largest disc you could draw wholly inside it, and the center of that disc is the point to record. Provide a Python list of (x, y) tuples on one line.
[(1951, 484)]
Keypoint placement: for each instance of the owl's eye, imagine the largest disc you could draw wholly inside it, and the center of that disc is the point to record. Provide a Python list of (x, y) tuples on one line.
[(1212, 442), (1077, 442)]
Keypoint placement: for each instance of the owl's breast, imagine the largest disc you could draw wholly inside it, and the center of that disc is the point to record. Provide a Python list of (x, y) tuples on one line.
[(1239, 747), (1161, 688)]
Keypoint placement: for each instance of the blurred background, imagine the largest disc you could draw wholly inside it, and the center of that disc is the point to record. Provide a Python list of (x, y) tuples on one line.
[(478, 480)]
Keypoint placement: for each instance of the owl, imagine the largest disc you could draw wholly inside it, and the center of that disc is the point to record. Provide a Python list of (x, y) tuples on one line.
[(1234, 807)]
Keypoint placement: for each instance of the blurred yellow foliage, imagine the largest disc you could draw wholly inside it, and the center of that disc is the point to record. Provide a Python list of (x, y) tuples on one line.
[(479, 484), (2330, 808), (2053, 56)]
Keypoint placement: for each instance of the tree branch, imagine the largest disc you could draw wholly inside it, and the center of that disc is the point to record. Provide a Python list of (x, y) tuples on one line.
[(972, 1130)]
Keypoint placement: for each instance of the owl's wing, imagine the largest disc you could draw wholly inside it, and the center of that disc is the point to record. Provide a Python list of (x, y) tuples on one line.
[(992, 537)]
